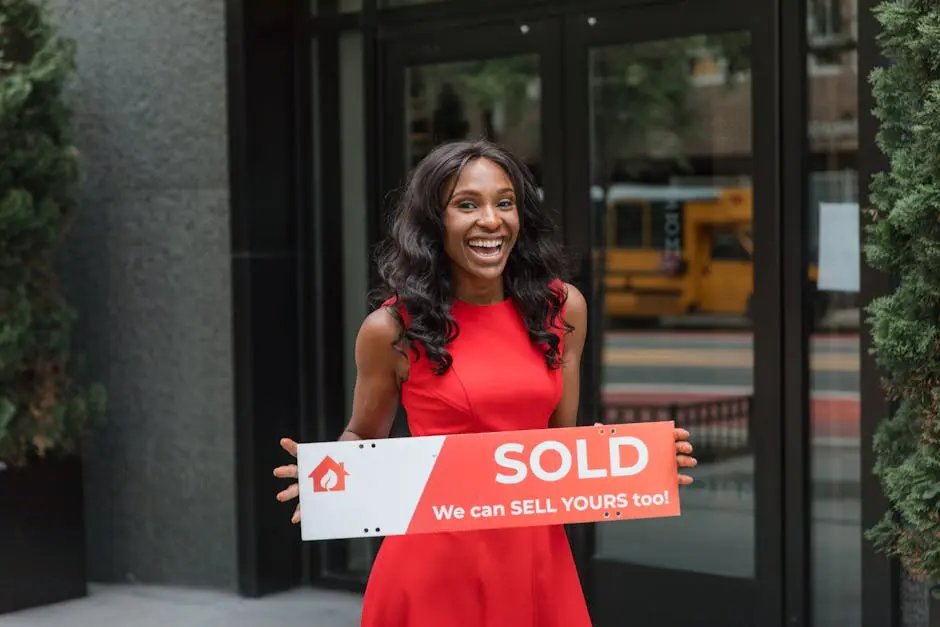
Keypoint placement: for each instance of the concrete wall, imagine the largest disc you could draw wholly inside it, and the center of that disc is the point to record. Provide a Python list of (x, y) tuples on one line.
[(148, 266)]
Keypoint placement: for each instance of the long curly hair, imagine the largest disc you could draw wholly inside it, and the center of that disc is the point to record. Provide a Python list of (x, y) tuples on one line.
[(415, 272)]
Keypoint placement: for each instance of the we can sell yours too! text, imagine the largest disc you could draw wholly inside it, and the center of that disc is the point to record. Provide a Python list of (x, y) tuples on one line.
[(553, 505)]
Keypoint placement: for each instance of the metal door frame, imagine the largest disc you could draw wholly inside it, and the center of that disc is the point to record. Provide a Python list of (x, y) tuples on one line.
[(780, 590), (763, 600)]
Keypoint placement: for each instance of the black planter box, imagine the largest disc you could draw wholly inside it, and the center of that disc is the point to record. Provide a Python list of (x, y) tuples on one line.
[(933, 609), (42, 534)]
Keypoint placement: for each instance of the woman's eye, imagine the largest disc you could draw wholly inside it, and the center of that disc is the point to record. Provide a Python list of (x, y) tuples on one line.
[(469, 205)]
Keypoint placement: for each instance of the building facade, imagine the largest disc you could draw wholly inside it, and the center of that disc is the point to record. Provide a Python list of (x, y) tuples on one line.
[(706, 160)]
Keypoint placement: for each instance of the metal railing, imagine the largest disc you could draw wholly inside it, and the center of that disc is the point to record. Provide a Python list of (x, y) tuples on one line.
[(720, 428)]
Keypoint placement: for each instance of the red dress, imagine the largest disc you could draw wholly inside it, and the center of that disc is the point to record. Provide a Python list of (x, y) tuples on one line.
[(523, 577)]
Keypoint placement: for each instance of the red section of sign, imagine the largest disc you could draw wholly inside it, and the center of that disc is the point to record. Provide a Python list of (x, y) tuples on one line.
[(329, 476), (551, 476)]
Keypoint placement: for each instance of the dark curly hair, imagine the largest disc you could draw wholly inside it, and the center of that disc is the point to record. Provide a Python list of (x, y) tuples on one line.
[(415, 271)]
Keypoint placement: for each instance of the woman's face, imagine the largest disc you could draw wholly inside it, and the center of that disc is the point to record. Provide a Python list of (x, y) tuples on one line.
[(481, 222)]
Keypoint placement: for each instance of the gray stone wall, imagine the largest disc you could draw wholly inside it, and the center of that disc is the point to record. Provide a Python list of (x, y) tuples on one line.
[(148, 267)]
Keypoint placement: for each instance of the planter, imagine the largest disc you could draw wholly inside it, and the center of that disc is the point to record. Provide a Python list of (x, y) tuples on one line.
[(933, 608), (919, 608), (42, 534)]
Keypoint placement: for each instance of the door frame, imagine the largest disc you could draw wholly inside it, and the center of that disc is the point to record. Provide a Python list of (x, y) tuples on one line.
[(759, 600), (779, 590)]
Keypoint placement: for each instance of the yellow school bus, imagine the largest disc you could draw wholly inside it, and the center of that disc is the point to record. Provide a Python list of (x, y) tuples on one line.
[(671, 251)]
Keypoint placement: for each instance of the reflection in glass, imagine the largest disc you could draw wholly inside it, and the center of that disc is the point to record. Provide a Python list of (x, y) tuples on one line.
[(499, 99), (671, 184), (834, 236)]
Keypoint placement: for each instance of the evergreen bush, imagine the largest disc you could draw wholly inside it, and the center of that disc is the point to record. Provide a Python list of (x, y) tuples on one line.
[(903, 240), (43, 410)]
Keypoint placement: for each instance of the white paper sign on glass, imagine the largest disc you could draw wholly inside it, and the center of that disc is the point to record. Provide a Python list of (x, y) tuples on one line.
[(839, 247)]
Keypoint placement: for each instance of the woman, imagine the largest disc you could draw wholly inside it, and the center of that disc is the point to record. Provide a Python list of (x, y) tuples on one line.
[(476, 333)]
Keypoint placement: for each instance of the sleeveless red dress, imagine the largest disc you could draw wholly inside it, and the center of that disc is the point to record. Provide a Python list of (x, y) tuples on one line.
[(522, 577)]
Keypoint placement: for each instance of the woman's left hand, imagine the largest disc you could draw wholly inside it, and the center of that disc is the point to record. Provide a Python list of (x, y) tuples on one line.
[(684, 455)]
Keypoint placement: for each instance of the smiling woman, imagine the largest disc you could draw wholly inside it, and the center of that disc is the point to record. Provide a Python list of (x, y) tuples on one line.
[(476, 332), (464, 191)]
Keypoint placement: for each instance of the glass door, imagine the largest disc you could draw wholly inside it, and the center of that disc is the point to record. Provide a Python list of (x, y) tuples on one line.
[(672, 107), (499, 81)]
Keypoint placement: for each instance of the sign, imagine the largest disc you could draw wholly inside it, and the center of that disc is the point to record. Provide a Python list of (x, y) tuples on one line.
[(839, 247), (672, 237), (504, 479)]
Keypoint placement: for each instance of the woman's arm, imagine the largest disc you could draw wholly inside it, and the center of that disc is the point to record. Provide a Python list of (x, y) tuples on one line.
[(380, 369), (566, 413)]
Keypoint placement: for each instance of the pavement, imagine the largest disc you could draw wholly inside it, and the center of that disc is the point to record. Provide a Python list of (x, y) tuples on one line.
[(154, 606)]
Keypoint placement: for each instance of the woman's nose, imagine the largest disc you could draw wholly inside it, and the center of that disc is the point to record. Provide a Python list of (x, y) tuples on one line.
[(489, 217)]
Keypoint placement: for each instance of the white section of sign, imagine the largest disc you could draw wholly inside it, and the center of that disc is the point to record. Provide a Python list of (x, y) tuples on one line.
[(366, 488), (839, 247)]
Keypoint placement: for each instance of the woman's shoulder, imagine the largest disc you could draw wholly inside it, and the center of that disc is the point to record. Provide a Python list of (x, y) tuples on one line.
[(575, 303), (394, 307), (573, 300), (380, 326)]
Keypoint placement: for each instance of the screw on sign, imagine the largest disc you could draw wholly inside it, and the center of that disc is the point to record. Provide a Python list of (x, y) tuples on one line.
[(329, 476)]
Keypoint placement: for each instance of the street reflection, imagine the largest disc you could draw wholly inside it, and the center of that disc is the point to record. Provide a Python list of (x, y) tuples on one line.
[(497, 98), (673, 200)]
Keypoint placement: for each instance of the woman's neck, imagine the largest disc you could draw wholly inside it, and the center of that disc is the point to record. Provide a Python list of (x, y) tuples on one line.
[(488, 293)]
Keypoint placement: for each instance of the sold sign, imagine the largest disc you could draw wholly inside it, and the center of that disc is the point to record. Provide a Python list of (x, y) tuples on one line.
[(487, 480), (535, 462)]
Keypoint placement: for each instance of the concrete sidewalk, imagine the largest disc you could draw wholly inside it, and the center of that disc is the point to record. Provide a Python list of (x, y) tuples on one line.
[(151, 606)]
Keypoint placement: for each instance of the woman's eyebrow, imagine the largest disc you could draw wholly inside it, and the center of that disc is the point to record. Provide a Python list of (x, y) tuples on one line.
[(469, 191)]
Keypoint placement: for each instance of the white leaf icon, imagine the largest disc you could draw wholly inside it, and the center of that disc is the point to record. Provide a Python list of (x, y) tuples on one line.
[(329, 480)]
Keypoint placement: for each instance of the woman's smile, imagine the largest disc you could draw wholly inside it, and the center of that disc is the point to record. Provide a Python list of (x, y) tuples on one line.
[(487, 250)]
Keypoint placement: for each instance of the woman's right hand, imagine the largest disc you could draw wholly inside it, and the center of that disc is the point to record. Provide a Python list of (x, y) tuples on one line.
[(289, 472)]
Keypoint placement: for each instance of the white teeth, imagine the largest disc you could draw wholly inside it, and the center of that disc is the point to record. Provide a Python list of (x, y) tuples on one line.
[(486, 243)]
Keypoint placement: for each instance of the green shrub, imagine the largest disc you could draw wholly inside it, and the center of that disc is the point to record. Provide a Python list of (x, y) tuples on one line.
[(903, 240), (42, 408)]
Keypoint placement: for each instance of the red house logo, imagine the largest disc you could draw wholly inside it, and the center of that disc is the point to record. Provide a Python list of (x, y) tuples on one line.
[(329, 476)]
